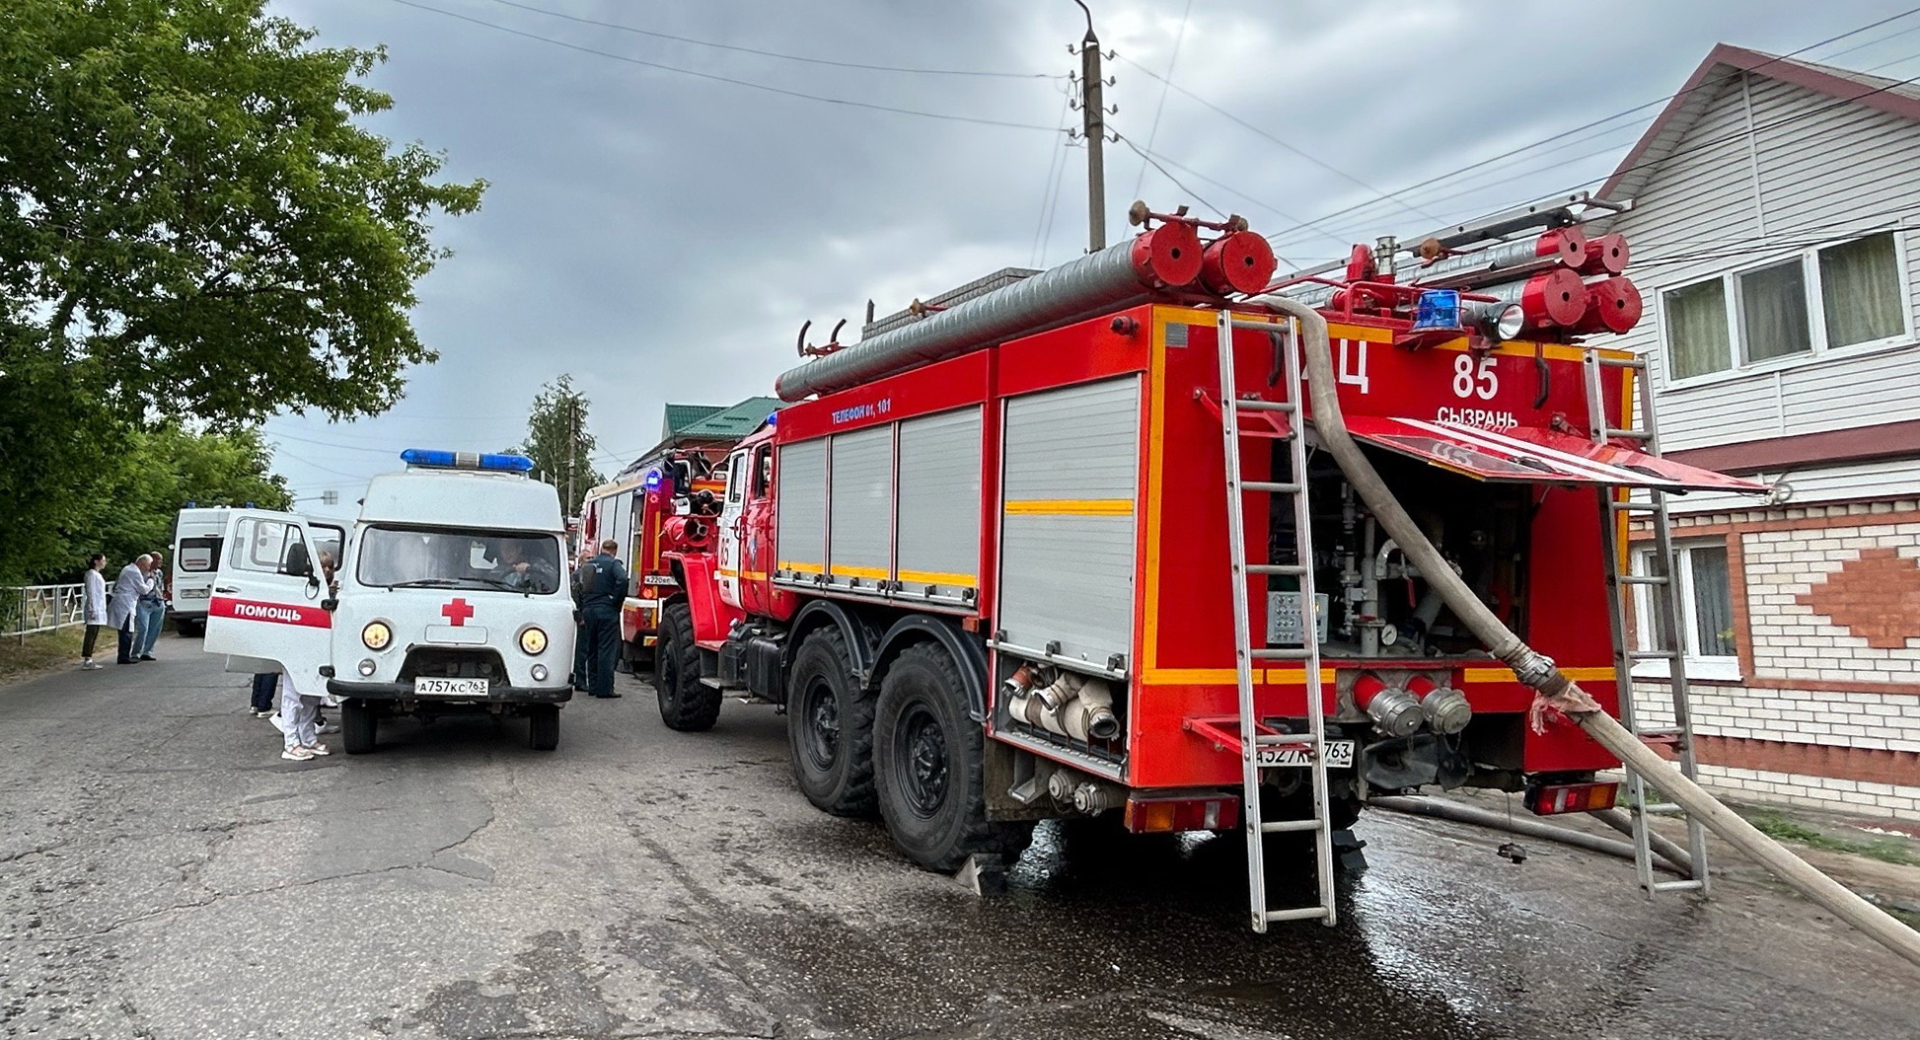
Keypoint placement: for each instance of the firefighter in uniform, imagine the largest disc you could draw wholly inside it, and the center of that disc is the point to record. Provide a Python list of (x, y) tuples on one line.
[(603, 589)]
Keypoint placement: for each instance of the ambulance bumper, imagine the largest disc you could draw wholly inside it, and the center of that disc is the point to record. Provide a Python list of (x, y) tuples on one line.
[(497, 693)]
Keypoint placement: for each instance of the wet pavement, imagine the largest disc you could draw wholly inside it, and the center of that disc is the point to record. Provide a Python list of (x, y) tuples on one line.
[(164, 874)]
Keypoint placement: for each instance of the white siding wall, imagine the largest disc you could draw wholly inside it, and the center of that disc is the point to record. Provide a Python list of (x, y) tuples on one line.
[(1820, 163)]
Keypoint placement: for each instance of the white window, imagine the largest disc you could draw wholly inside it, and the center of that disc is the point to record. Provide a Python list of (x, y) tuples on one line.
[(1705, 623), (1834, 297)]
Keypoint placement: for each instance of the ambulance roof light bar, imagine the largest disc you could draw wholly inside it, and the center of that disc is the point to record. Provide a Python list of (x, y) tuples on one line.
[(435, 459)]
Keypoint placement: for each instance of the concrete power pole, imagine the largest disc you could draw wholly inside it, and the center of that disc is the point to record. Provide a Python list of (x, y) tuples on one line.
[(573, 447), (1093, 128)]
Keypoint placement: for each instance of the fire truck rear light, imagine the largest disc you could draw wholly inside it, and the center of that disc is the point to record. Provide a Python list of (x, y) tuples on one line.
[(1556, 799), (1213, 813)]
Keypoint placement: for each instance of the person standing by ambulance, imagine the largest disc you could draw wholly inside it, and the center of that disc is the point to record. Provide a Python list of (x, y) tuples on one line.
[(603, 589), (124, 606), (152, 612)]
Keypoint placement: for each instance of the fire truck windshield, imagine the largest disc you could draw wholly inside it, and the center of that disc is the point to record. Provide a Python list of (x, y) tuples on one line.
[(424, 557)]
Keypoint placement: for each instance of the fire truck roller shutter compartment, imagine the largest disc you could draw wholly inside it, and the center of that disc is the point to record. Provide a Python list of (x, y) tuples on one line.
[(802, 531), (939, 537), (1067, 527), (860, 510)]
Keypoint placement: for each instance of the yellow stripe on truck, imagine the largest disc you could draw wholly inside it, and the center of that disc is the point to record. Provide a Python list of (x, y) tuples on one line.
[(1070, 507), (802, 568), (842, 570), (966, 581)]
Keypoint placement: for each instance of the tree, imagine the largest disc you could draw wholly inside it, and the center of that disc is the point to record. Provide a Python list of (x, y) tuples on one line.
[(191, 225), (558, 441), (189, 205)]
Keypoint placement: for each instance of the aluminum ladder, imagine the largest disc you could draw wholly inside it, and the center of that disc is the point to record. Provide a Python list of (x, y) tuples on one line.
[(1262, 748), (1664, 600)]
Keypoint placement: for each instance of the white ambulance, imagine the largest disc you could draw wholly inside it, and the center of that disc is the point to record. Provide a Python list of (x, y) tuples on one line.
[(450, 597)]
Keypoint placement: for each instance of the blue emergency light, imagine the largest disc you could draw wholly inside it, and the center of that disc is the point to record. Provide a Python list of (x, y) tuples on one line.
[(1438, 309), (653, 480), (466, 460)]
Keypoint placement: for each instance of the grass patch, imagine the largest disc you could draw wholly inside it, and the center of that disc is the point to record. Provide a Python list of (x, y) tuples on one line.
[(42, 650), (1775, 825)]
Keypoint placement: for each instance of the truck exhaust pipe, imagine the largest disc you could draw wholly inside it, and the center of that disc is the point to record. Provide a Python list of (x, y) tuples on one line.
[(1553, 690)]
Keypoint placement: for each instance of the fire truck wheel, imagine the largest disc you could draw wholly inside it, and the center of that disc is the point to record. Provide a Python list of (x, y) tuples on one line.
[(927, 756), (359, 726), (830, 728), (543, 727), (686, 704)]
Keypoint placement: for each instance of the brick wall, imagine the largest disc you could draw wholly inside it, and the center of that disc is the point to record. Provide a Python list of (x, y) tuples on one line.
[(1827, 618)]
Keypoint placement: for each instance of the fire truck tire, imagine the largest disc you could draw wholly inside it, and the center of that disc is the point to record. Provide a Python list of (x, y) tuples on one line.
[(543, 727), (359, 726), (927, 758), (830, 727), (686, 704)]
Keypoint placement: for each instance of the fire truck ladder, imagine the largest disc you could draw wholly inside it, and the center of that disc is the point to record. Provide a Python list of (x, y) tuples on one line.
[(1261, 747), (1663, 603)]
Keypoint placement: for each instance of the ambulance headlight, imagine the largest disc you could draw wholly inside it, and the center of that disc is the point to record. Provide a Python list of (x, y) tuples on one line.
[(367, 666), (539, 673), (533, 641), (376, 635)]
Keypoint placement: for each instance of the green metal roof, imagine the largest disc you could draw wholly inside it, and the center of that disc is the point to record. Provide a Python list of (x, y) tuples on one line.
[(682, 415), (731, 423)]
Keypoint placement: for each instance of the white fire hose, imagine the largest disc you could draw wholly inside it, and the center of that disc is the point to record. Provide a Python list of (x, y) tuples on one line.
[(1553, 689)]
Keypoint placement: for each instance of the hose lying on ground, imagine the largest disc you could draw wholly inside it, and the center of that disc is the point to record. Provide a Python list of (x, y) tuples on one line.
[(1553, 689), (1525, 826), (1662, 845)]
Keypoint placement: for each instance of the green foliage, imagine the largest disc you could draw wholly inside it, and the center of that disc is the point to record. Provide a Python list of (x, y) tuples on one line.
[(558, 441), (188, 204), (192, 227), (125, 500)]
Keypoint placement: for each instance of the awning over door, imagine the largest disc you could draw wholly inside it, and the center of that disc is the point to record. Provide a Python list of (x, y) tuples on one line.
[(1526, 454)]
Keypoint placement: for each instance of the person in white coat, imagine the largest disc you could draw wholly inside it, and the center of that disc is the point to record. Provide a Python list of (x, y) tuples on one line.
[(124, 607), (94, 606), (298, 722)]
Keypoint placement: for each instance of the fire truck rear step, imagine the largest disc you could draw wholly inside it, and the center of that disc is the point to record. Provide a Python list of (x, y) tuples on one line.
[(1254, 735), (1665, 607)]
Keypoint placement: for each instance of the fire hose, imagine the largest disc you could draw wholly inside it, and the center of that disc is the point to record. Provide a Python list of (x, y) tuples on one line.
[(1552, 689)]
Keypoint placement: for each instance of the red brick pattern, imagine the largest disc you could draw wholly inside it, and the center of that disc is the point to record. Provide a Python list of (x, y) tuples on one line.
[(1843, 763), (1876, 597)]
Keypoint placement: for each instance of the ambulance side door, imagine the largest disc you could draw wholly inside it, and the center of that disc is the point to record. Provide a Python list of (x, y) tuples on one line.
[(265, 611)]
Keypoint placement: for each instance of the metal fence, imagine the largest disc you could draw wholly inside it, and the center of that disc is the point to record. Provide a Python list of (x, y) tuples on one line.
[(26, 609)]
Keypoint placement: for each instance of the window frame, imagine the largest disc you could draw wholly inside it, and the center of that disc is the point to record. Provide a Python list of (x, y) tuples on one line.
[(1699, 667), (1810, 277)]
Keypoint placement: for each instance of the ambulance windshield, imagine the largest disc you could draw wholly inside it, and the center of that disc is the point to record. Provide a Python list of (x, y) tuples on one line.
[(508, 561)]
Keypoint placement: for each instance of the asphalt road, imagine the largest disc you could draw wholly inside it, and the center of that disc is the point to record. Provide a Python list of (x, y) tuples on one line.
[(164, 874)]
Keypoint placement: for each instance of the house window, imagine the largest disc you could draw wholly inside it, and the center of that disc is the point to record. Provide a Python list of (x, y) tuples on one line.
[(1705, 624), (1845, 295)]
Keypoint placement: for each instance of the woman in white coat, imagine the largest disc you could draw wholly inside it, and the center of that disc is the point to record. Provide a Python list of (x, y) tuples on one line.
[(95, 606)]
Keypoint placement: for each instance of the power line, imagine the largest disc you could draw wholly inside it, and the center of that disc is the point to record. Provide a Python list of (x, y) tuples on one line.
[(1048, 189), (1155, 163), (1317, 161), (1153, 133), (1359, 207), (784, 92), (776, 54), (1282, 214)]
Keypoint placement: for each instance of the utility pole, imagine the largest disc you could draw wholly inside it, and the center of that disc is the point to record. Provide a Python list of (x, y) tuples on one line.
[(1093, 130), (573, 446)]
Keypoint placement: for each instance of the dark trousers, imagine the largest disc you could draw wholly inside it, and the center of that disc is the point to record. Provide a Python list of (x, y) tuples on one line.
[(580, 653), (93, 636), (126, 644), (603, 650), (264, 683)]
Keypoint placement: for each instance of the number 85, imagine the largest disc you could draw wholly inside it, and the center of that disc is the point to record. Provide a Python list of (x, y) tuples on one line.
[(1471, 380)]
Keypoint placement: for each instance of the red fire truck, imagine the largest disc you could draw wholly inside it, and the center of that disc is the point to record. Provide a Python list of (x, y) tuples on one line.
[(634, 509), (1068, 547)]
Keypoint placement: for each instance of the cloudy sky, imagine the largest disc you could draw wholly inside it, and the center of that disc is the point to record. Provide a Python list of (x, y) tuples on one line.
[(661, 233)]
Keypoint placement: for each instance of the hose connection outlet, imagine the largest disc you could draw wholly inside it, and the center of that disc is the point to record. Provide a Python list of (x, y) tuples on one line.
[(1445, 708), (1393, 710)]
